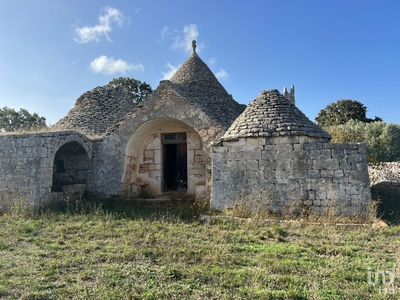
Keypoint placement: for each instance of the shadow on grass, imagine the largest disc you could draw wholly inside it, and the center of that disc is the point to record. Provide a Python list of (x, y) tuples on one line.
[(388, 195), (185, 208)]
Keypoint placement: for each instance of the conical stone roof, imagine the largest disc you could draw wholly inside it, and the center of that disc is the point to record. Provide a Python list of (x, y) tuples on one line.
[(195, 81), (97, 111), (271, 114)]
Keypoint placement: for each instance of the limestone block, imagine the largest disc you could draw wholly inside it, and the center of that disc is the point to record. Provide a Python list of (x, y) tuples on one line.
[(190, 155), (157, 156), (314, 174), (355, 158), (341, 179), (155, 173), (325, 163), (312, 146), (320, 194), (315, 153), (217, 158), (268, 155), (250, 165), (327, 173), (362, 149), (284, 163), (148, 154), (355, 176), (338, 173), (40, 151)]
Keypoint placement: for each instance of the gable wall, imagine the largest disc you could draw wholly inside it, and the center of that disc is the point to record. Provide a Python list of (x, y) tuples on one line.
[(117, 158)]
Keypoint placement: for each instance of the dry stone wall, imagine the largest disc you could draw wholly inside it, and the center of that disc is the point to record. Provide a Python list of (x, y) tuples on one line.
[(388, 172), (278, 173), (27, 163)]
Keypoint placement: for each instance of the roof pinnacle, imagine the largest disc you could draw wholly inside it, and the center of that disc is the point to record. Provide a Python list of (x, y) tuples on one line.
[(194, 46)]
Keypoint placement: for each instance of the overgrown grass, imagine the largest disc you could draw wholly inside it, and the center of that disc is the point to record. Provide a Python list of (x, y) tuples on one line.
[(125, 249), (333, 212)]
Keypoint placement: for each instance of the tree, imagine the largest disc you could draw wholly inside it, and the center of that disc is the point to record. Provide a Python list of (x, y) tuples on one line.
[(381, 139), (12, 120), (137, 89), (343, 111)]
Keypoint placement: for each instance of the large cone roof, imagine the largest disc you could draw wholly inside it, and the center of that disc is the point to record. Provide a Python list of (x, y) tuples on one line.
[(271, 114), (195, 81)]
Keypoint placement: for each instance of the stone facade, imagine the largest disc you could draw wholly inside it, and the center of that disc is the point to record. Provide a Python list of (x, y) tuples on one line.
[(188, 134), (279, 173), (27, 167)]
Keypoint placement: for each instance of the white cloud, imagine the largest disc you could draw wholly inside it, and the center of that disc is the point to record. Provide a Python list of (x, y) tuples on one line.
[(212, 60), (170, 72), (184, 43), (109, 65), (108, 16), (222, 74), (165, 32)]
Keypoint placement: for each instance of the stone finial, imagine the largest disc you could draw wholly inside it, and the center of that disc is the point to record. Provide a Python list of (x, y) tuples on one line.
[(194, 46), (289, 96)]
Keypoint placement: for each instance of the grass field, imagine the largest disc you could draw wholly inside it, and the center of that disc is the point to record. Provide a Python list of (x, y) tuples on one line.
[(132, 250)]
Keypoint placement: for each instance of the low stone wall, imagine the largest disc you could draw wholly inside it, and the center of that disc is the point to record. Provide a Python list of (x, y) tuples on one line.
[(297, 172), (388, 172), (27, 163)]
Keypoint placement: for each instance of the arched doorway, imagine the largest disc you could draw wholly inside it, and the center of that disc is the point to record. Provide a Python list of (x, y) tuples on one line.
[(70, 168), (164, 155)]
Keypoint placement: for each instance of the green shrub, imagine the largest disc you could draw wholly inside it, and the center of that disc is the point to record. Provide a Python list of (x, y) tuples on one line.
[(381, 139)]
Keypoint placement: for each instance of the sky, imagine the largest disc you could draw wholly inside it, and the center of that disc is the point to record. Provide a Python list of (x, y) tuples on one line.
[(52, 51)]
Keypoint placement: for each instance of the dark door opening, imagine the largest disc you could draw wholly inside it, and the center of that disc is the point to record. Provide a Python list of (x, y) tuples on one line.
[(175, 161), (71, 166)]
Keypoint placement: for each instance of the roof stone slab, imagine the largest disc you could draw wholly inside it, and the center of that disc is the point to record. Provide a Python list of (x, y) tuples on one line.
[(271, 115)]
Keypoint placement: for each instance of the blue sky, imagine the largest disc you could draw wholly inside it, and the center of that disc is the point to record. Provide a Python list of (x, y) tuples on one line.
[(52, 51)]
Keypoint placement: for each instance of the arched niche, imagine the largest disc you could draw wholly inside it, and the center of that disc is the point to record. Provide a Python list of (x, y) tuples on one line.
[(162, 155), (70, 168)]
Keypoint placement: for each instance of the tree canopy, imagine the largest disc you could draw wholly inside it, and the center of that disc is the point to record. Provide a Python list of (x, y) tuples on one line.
[(12, 120), (381, 139), (137, 89), (342, 111)]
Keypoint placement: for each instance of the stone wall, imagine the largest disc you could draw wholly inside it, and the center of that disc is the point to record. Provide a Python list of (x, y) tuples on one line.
[(276, 173), (27, 163)]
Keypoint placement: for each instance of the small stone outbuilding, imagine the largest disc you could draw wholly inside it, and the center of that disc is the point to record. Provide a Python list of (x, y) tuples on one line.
[(274, 158)]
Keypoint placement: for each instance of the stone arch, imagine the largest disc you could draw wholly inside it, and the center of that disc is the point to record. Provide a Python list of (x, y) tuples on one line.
[(146, 157), (71, 166)]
